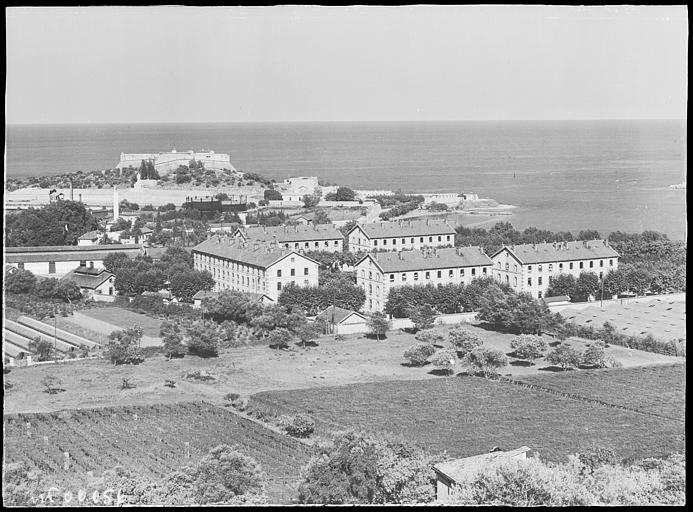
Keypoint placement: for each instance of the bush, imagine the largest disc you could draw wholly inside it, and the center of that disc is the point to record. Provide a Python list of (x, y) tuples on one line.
[(564, 356), (21, 281), (422, 316), (202, 340), (445, 359), (464, 340), (124, 346), (484, 360), (418, 354), (299, 425), (280, 338), (528, 346), (594, 356), (430, 337)]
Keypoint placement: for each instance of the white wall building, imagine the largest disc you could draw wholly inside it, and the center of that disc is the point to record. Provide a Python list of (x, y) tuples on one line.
[(400, 235), (312, 237), (256, 267), (379, 272), (56, 261), (530, 267), (166, 162)]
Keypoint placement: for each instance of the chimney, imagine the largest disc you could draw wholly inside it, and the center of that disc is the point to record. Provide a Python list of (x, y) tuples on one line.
[(80, 197)]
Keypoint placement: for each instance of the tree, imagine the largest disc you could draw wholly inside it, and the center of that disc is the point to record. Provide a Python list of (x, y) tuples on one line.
[(52, 383), (594, 355), (345, 194), (42, 348), (529, 347), (58, 223), (562, 284), (275, 316), (464, 340), (422, 316), (310, 201), (615, 282), (22, 281), (357, 468), (223, 474), (67, 290), (124, 346), (485, 360), (172, 338), (321, 217), (378, 324), (308, 333), (233, 306), (586, 284), (186, 284), (115, 261), (272, 195), (418, 354), (563, 356), (445, 359), (202, 340), (280, 338)]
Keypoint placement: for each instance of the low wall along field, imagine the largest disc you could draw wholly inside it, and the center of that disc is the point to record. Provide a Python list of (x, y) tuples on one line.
[(466, 415), (150, 440)]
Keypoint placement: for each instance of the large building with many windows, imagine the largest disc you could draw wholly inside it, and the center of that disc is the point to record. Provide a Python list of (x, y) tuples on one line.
[(318, 237), (263, 268), (400, 235), (530, 267), (379, 272)]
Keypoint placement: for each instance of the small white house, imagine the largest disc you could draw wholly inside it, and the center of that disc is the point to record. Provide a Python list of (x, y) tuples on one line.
[(451, 473), (94, 283), (343, 321)]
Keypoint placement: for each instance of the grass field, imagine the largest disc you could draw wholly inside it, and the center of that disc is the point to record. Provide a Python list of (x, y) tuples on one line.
[(124, 319), (658, 390), (466, 416), (152, 441), (663, 319)]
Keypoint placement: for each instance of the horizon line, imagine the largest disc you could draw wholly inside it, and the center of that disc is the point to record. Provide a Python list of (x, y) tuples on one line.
[(347, 121)]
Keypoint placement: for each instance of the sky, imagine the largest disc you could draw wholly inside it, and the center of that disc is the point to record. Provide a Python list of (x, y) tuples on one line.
[(294, 63)]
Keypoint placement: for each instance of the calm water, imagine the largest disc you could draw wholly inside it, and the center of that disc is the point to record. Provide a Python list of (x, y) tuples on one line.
[(606, 175)]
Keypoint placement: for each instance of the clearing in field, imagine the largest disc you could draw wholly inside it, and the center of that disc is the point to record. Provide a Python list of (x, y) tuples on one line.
[(120, 318), (663, 319), (152, 441), (465, 416)]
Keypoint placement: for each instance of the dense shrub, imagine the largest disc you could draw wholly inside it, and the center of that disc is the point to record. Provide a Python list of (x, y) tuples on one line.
[(445, 359), (418, 354), (202, 340), (21, 281), (124, 346), (430, 337), (564, 356), (484, 360), (528, 346), (299, 425), (314, 299), (464, 340), (594, 356)]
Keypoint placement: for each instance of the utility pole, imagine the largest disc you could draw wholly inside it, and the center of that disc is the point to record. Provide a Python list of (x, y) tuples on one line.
[(602, 303)]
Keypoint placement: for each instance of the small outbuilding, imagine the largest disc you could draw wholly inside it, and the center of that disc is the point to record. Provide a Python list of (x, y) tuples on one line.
[(451, 473), (343, 321), (94, 283)]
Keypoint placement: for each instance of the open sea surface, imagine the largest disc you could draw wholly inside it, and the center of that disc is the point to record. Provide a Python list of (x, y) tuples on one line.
[(561, 175)]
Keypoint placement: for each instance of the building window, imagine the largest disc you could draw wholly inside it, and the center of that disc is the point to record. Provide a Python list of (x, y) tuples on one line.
[(515, 281), (570, 265), (529, 268), (416, 276), (306, 245), (384, 242), (392, 278), (404, 240), (529, 281), (421, 239), (327, 244), (601, 275), (296, 245), (483, 271), (550, 267), (462, 272), (560, 266), (514, 268), (507, 267), (286, 245), (450, 273), (539, 268), (394, 241), (336, 242), (473, 271), (370, 275), (539, 281), (440, 274), (375, 242), (611, 263), (430, 238), (51, 267), (370, 289), (404, 276), (448, 238), (82, 263), (499, 265), (279, 272), (540, 295), (279, 286), (507, 279), (582, 265), (370, 303), (440, 238), (591, 264), (293, 271), (601, 263), (305, 271), (428, 275)]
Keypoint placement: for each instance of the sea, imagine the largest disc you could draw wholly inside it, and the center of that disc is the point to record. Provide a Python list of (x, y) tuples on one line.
[(559, 175)]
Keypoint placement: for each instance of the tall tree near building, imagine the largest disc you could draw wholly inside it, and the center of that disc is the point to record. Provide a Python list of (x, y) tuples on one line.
[(378, 324), (59, 223)]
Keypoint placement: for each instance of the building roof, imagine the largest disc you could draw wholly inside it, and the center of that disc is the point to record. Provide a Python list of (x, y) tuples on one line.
[(205, 294), (67, 252), (88, 278), (459, 469), (406, 228), (560, 251), (429, 259), (337, 315), (298, 233), (91, 235), (258, 254), (557, 298)]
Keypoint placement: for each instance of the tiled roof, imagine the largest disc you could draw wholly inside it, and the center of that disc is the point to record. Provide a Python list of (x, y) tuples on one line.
[(88, 280), (458, 470), (67, 252), (259, 254), (407, 228), (299, 233), (561, 251), (336, 314), (453, 257)]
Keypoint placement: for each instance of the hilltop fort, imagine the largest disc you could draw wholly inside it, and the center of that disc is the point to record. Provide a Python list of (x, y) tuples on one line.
[(171, 160)]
